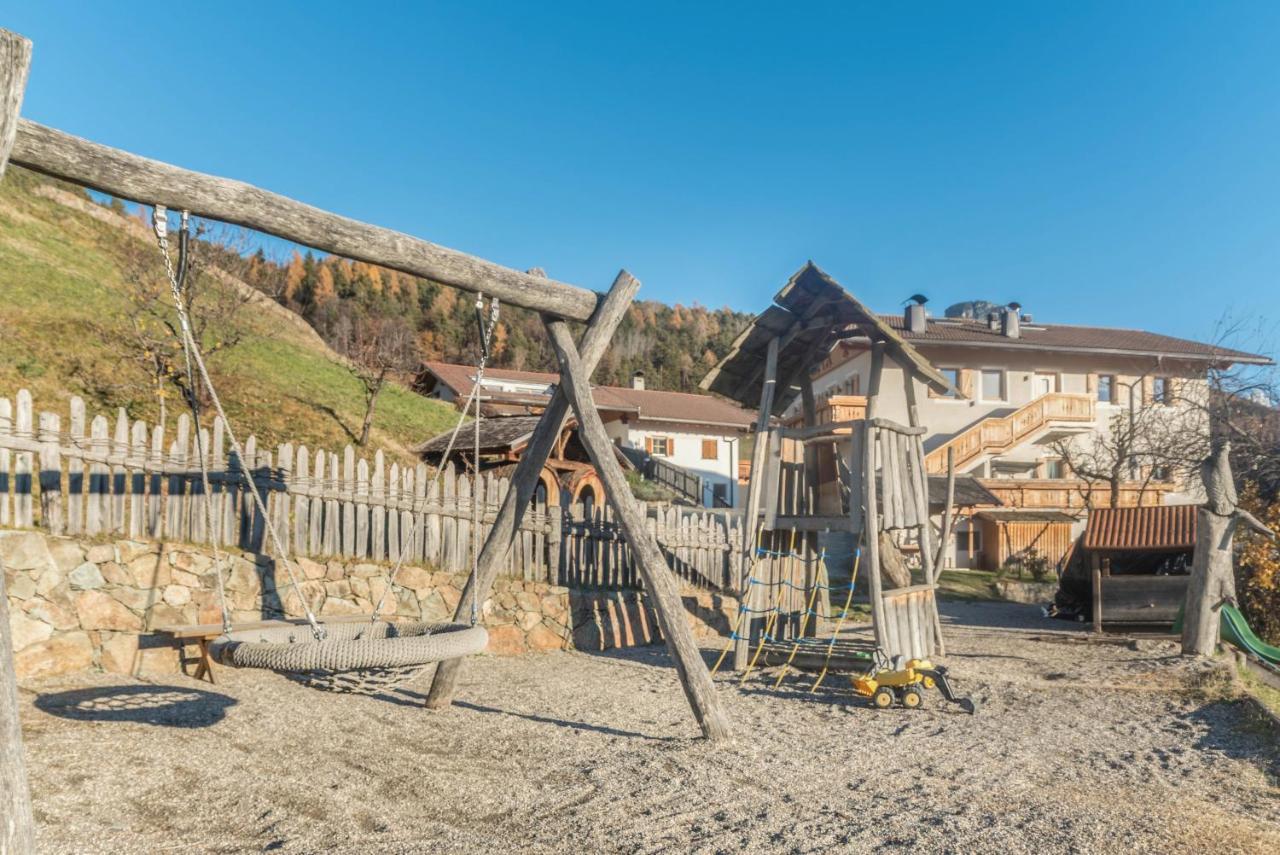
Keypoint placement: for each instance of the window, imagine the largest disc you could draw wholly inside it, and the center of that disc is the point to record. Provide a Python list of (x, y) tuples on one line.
[(659, 446), (1106, 388), (720, 495), (1160, 391), (972, 534), (992, 384), (710, 449), (1162, 473), (1054, 469), (953, 377)]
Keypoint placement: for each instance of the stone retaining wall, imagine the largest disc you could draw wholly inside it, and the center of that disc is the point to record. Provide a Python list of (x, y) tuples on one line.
[(76, 605)]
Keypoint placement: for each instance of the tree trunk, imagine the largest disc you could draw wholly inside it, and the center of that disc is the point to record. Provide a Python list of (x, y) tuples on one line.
[(375, 389), (1212, 578), (893, 566)]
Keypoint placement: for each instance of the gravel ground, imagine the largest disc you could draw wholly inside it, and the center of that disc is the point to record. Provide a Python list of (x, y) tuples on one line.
[(1077, 746)]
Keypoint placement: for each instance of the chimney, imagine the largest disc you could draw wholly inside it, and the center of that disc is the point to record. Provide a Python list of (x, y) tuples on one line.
[(917, 320), (637, 380), (1011, 320), (993, 321)]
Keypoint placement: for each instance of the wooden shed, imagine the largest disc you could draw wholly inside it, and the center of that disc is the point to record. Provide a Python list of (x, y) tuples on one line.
[(1139, 561), (1010, 535)]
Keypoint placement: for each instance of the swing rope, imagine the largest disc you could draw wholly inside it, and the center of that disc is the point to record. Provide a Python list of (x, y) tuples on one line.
[(191, 349)]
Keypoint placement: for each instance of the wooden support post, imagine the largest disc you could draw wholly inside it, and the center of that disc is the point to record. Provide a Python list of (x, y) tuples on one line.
[(659, 581), (506, 527), (948, 510), (871, 514), (15, 60), (1096, 598), (17, 825), (750, 599), (927, 561)]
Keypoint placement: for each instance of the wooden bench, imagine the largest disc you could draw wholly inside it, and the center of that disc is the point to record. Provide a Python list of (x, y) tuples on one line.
[(204, 633)]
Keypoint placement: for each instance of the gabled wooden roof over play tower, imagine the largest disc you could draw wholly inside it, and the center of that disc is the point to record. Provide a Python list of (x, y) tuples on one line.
[(810, 314)]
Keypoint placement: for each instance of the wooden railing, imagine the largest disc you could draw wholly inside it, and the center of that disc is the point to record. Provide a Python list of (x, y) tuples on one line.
[(1061, 493), (1000, 433), (842, 408)]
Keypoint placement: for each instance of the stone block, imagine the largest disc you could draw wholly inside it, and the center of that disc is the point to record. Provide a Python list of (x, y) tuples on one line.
[(50, 580), (115, 574), (414, 577), (243, 577), (540, 588), (150, 571), (177, 595), (158, 661), (22, 586), (366, 570), (506, 640), (98, 610), (542, 639), (552, 604), (23, 550), (528, 620), (433, 607), (340, 589), (335, 606), (359, 587), (134, 598), (86, 577), (60, 654), (101, 553), (163, 614), (66, 553), (335, 570), (451, 596), (528, 602), (128, 551), (310, 569), (119, 652), (587, 637), (51, 613), (185, 578), (27, 630)]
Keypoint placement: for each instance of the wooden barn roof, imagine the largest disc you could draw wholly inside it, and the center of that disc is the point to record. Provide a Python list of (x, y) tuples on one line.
[(1161, 528), (497, 435), (810, 313)]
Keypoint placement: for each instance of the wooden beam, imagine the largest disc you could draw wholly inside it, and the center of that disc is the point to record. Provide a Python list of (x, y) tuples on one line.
[(15, 60), (922, 506), (17, 826), (151, 182), (659, 581), (871, 513), (750, 520), (546, 436)]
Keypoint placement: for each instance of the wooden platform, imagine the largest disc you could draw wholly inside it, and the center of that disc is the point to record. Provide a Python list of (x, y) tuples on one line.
[(846, 654)]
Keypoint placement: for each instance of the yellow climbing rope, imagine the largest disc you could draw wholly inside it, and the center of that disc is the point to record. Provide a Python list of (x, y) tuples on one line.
[(848, 600)]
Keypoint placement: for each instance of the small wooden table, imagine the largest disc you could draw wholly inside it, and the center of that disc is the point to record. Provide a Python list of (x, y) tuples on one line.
[(204, 633)]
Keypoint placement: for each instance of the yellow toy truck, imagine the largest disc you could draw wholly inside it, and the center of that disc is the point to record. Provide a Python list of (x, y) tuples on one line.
[(905, 683)]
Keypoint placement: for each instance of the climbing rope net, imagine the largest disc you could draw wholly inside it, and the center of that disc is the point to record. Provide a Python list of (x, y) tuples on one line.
[(363, 658), (778, 612)]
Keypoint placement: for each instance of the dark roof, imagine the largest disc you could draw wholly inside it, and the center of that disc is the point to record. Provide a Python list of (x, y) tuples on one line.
[(1160, 528), (969, 493), (507, 433), (967, 332), (1025, 515), (810, 314), (653, 404)]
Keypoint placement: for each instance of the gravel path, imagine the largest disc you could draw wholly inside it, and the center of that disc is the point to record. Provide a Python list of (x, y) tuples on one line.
[(1078, 746)]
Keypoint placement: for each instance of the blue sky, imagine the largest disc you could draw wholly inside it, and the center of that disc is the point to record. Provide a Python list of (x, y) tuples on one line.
[(1109, 163)]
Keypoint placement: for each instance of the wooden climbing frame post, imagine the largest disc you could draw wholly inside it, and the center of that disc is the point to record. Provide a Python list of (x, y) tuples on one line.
[(506, 527), (17, 825), (659, 581), (751, 519)]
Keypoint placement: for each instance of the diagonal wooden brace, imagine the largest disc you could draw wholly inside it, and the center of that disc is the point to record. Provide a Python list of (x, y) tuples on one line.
[(497, 546), (659, 581)]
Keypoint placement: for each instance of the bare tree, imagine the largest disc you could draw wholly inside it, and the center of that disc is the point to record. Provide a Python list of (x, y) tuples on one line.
[(379, 348), (153, 341)]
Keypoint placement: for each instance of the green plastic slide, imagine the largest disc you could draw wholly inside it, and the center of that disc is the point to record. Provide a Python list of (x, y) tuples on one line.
[(1236, 630)]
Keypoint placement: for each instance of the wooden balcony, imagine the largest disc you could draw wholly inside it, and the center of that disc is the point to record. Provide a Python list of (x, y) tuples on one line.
[(1067, 493)]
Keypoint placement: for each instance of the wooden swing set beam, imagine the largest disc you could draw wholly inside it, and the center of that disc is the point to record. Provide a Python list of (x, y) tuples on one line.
[(151, 182)]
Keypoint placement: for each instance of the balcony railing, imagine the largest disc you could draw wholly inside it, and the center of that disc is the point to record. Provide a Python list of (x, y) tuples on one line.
[(1000, 433)]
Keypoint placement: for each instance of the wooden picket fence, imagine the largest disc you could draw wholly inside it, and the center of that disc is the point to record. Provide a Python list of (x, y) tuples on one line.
[(92, 477)]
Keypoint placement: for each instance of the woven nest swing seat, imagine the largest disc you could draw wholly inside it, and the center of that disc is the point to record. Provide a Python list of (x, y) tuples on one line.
[(363, 658)]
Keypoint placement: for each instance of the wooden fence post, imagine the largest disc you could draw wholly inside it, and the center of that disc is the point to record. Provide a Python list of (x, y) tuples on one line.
[(658, 578), (50, 474)]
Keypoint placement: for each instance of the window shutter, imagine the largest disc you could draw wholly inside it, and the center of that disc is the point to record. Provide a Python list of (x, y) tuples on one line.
[(1091, 384), (966, 383), (648, 445), (1148, 390), (671, 447)]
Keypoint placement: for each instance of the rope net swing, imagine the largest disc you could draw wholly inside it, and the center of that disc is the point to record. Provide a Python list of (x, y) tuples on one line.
[(353, 657)]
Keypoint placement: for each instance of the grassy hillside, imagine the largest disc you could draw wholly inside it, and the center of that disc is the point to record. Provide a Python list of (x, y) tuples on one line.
[(65, 307)]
